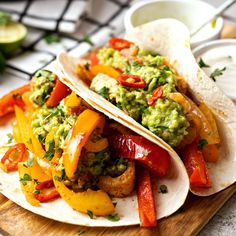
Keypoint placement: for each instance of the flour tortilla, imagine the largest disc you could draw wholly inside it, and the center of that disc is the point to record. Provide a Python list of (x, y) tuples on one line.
[(126, 208), (170, 38)]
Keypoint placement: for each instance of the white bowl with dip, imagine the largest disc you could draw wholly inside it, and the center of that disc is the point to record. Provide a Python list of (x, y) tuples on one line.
[(191, 13), (219, 54)]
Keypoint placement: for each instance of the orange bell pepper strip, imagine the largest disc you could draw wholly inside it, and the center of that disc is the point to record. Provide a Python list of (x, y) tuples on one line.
[(98, 146), (13, 156), (211, 153), (146, 202), (96, 201), (93, 59), (27, 183), (8, 101), (86, 122), (104, 69), (210, 117), (59, 92)]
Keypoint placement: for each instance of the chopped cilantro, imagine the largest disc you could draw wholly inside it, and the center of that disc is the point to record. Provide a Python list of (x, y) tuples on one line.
[(217, 72), (10, 138), (5, 18), (114, 217), (104, 92), (213, 23), (90, 214), (36, 191), (51, 150), (202, 64), (87, 66), (52, 38), (25, 179), (202, 143), (88, 40), (25, 165), (163, 189), (30, 161), (57, 178), (36, 181)]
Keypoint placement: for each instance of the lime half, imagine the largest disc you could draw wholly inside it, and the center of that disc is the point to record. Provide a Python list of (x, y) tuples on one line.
[(12, 36)]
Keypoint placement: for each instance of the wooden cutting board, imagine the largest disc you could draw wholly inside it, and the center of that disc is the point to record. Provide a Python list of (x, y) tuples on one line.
[(189, 220)]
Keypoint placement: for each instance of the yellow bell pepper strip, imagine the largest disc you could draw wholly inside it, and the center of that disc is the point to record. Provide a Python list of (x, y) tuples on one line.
[(104, 69), (8, 101), (72, 101), (16, 133), (13, 156), (24, 127), (38, 173), (98, 146), (96, 201), (27, 183), (86, 122)]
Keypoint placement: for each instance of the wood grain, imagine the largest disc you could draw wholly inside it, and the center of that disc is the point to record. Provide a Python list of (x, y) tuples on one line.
[(189, 220)]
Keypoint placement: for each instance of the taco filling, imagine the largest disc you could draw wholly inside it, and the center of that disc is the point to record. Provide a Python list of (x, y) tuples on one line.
[(66, 149), (148, 89)]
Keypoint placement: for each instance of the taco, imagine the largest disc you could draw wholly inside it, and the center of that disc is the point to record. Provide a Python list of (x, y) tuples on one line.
[(151, 83), (62, 159)]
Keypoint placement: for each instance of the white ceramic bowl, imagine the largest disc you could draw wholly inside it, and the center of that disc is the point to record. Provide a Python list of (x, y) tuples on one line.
[(190, 12), (220, 54)]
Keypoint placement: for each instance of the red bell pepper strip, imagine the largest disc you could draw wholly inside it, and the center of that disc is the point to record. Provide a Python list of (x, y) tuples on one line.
[(8, 101), (59, 92), (48, 196), (13, 156), (146, 202), (132, 81), (93, 59), (119, 44), (153, 157), (157, 93), (196, 166)]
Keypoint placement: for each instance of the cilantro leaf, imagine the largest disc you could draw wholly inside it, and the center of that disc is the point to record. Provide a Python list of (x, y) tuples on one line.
[(52, 38), (90, 214), (114, 217), (88, 40), (104, 92), (217, 72), (51, 150), (25, 179), (202, 143), (10, 138), (163, 189), (202, 64)]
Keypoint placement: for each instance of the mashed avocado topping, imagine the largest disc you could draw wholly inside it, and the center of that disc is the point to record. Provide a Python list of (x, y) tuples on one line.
[(165, 117), (43, 83), (56, 119)]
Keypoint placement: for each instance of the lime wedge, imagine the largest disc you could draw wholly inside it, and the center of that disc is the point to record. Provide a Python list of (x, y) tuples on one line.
[(12, 36)]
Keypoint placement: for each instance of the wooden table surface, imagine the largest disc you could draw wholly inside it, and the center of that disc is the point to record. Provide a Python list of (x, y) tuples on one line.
[(189, 220)]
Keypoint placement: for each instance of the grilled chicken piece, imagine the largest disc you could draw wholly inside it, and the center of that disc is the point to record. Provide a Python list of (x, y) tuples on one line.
[(120, 186), (102, 81)]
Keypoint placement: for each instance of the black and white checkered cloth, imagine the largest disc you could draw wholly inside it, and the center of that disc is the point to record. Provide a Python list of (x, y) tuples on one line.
[(73, 21)]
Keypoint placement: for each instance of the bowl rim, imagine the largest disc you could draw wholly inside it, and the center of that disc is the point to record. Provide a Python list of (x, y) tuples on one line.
[(136, 6)]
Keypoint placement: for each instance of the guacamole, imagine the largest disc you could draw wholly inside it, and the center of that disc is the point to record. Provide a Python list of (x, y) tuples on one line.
[(165, 117), (56, 119), (43, 83)]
